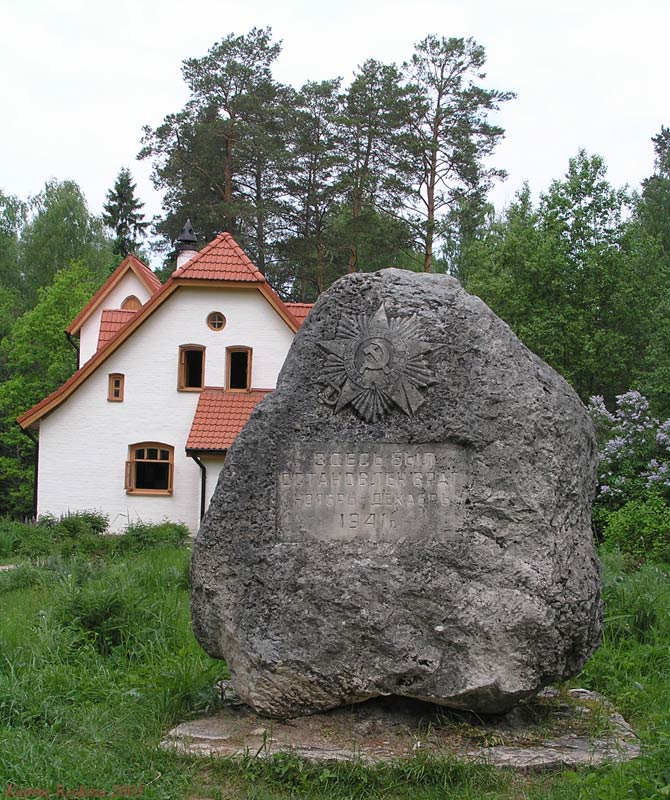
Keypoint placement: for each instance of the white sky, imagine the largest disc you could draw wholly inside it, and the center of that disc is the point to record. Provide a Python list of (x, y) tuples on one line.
[(80, 78)]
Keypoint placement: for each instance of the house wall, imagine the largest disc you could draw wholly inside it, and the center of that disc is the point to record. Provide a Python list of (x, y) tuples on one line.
[(88, 335), (214, 467), (84, 442)]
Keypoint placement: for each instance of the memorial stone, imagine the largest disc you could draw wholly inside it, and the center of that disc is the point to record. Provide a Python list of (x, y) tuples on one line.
[(409, 513)]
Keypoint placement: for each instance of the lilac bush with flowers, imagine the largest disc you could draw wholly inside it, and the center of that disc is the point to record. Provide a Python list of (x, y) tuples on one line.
[(631, 507)]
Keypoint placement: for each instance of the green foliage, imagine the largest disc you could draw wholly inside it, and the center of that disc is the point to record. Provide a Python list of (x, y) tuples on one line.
[(12, 219), (306, 180), (122, 213), (35, 358), (421, 776), (74, 533), (631, 510), (60, 231), (311, 185), (100, 612), (641, 528), (23, 576), (634, 450), (653, 375), (572, 278), (139, 535), (634, 601), (452, 137), (97, 660), (216, 159), (375, 169), (84, 533)]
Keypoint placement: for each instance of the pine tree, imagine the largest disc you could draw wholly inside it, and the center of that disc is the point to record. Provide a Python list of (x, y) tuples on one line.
[(452, 135), (122, 213)]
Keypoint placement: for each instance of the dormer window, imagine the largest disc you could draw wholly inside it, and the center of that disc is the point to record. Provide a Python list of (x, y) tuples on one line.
[(238, 368), (131, 303), (115, 387), (191, 368)]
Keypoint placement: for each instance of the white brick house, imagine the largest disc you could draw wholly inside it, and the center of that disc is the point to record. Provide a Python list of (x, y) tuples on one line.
[(169, 375)]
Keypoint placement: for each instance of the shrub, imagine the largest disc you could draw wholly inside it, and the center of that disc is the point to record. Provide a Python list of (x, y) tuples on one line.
[(84, 533), (631, 505), (140, 536), (634, 450), (641, 528), (101, 612), (34, 541), (83, 523)]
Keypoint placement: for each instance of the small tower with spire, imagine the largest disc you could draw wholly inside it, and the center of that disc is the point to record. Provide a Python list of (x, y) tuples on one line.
[(186, 244)]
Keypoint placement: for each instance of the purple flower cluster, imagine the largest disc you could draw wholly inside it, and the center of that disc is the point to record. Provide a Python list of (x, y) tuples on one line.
[(635, 453)]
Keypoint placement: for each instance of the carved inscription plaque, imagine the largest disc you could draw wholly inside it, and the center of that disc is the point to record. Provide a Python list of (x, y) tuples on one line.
[(375, 491)]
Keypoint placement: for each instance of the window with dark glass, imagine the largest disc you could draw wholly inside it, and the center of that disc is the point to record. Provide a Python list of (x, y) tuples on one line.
[(115, 387), (149, 468), (238, 368), (191, 367)]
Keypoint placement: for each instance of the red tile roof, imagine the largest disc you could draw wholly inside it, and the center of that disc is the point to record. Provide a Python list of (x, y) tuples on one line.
[(300, 310), (112, 320), (222, 260), (220, 416), (129, 263), (224, 244)]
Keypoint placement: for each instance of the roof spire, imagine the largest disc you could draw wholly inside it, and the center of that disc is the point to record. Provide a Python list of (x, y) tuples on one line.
[(186, 244)]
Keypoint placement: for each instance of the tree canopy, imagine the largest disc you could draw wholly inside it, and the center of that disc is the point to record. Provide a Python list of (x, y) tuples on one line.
[(123, 214), (308, 179), (392, 168)]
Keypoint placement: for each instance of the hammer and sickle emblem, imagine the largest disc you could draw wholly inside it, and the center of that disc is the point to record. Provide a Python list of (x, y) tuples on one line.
[(378, 357)]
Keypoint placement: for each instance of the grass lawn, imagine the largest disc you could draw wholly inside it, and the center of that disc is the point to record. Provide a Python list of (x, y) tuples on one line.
[(97, 660)]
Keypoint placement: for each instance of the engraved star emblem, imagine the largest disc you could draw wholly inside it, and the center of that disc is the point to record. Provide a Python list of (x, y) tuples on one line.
[(375, 363)]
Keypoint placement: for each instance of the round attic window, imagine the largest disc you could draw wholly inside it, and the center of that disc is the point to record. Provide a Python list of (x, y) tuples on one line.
[(216, 321)]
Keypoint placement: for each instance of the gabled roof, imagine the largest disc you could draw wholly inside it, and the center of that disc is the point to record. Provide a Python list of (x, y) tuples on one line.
[(220, 416), (111, 322), (223, 259), (300, 310), (129, 264)]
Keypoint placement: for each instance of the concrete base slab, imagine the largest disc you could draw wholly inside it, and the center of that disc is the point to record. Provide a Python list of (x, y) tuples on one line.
[(555, 730)]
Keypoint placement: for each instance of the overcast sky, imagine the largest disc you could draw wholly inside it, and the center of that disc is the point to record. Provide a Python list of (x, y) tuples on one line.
[(80, 78)]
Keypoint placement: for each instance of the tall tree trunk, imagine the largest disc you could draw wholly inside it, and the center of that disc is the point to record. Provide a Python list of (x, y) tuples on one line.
[(230, 222), (260, 217), (353, 247)]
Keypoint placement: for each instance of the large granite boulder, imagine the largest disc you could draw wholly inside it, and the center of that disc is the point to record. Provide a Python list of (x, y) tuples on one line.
[(408, 513)]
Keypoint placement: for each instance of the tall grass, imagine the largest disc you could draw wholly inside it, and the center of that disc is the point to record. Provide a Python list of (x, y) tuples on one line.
[(97, 660)]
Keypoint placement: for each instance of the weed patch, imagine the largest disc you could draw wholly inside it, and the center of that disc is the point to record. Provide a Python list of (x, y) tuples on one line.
[(97, 661)]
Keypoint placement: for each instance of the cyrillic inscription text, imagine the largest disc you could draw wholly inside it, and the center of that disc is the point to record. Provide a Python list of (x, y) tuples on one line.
[(378, 491)]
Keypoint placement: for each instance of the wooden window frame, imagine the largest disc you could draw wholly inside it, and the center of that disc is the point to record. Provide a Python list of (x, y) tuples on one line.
[(131, 474), (238, 349), (111, 388), (209, 321), (181, 368), (131, 303)]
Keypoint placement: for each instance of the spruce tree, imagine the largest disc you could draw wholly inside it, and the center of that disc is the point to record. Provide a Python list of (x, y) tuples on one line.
[(123, 214)]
